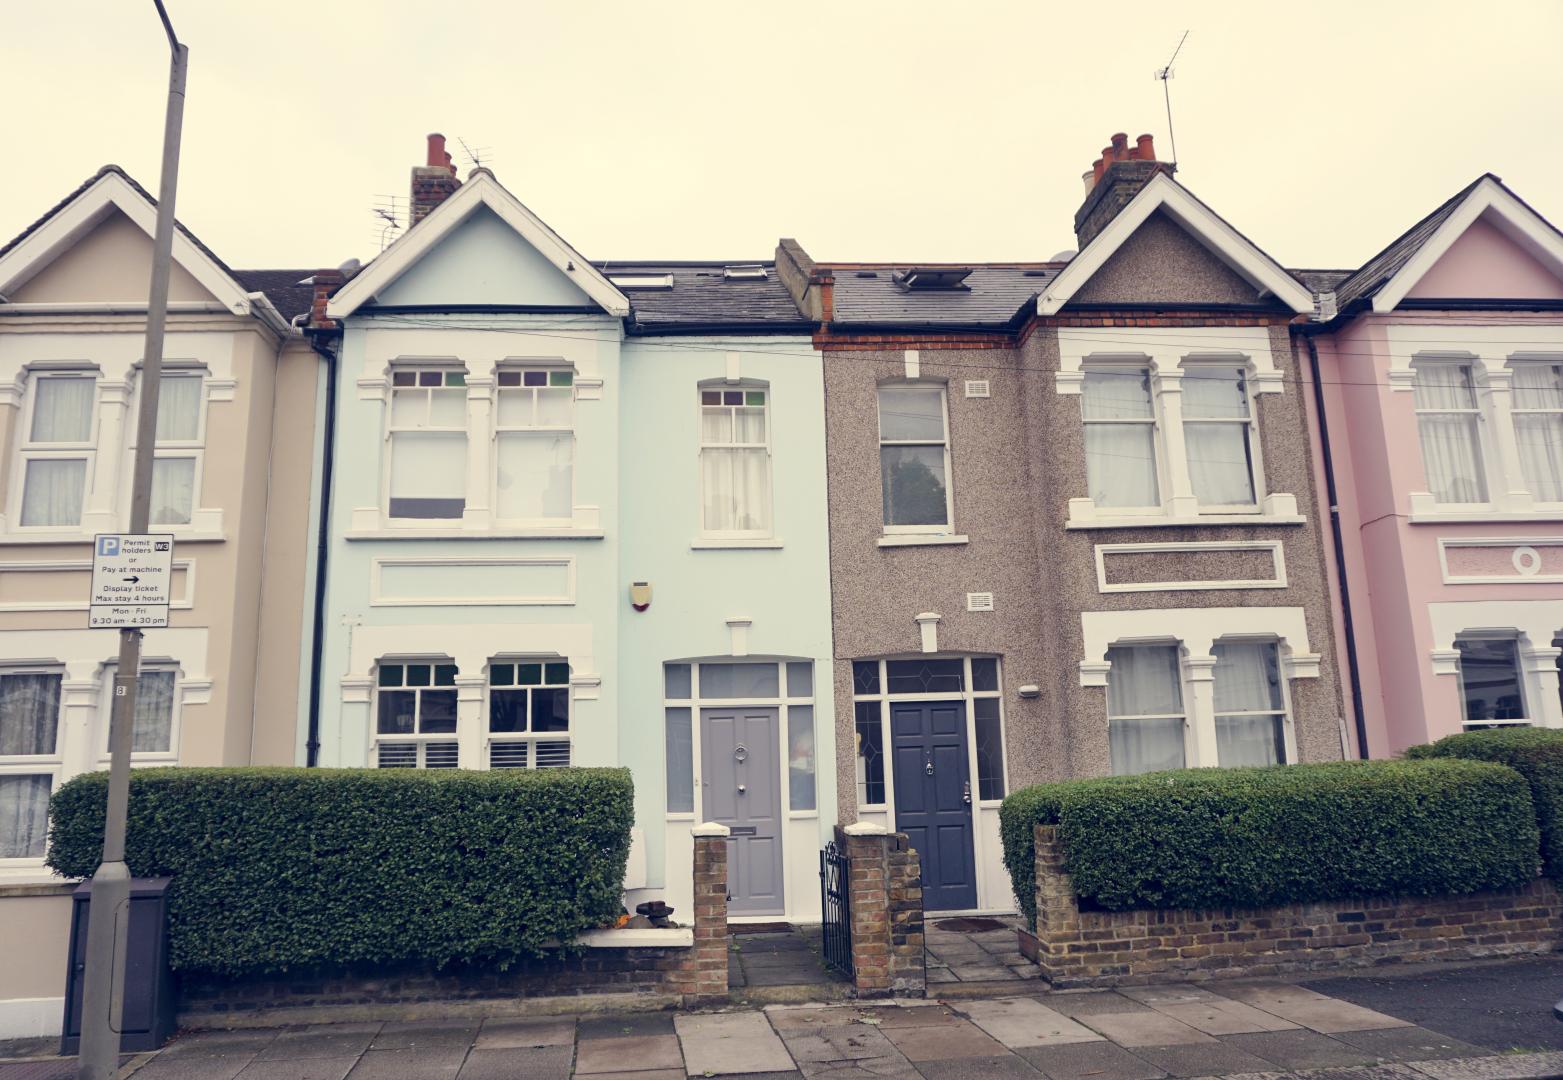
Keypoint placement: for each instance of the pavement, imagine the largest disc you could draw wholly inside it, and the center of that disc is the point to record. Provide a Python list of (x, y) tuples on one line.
[(1479, 1022), (974, 950)]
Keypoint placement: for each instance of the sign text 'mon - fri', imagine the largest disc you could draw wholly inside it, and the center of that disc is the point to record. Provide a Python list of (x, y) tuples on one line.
[(132, 578)]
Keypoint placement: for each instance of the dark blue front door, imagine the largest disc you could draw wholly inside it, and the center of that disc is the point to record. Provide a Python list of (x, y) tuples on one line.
[(933, 798)]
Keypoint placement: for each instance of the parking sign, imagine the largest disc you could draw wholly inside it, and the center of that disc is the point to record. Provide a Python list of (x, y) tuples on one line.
[(132, 578)]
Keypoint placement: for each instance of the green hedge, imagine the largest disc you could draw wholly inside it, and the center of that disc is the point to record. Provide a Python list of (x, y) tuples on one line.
[(279, 869), (1202, 838), (1534, 753)]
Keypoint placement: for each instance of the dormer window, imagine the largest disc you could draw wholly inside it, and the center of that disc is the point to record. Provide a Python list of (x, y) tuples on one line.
[(920, 278)]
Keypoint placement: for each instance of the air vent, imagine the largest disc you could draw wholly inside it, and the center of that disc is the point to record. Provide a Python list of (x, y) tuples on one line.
[(979, 601), (867, 274), (1036, 273), (978, 388), (635, 282), (744, 273)]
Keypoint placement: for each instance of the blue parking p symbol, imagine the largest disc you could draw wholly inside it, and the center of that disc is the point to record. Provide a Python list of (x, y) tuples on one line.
[(108, 545)]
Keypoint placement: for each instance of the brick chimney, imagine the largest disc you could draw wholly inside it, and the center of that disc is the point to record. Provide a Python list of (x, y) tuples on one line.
[(1114, 180), (433, 182)]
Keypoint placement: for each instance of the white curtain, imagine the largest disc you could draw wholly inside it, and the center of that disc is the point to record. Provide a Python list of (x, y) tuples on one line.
[(428, 475), (736, 489), (52, 491), (800, 757), (1120, 458), (62, 410), (153, 728), (24, 816), (179, 408), (173, 490), (1144, 681), (1540, 434), (1451, 441), (536, 477), (1219, 464), (1248, 681), (29, 714)]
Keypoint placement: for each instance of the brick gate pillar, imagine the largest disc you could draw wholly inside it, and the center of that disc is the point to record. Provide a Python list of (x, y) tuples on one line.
[(709, 986), (1058, 908), (885, 884)]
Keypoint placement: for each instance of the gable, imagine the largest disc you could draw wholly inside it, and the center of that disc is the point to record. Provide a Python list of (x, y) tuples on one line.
[(1162, 263), (111, 263), (1486, 264)]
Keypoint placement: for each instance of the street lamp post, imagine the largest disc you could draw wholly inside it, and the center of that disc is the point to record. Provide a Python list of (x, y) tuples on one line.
[(104, 988)]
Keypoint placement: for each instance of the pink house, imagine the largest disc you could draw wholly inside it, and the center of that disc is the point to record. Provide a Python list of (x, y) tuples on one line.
[(1439, 370)]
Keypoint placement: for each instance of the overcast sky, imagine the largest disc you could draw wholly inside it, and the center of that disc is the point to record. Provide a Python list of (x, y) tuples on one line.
[(867, 130)]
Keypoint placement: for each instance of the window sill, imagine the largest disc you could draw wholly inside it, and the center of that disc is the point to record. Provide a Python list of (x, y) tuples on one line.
[(35, 880), (1155, 522), (1483, 516), (566, 533), (921, 539), (41, 538), (765, 543)]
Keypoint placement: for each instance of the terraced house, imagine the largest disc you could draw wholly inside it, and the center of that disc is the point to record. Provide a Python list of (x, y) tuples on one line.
[(231, 484), (577, 518), (1071, 528)]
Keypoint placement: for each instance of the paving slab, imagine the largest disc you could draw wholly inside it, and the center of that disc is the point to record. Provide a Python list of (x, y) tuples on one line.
[(625, 1024), (441, 1063), (425, 1035), (838, 1043), (651, 1074), (726, 1043), (1308, 1009), (320, 1041), (189, 1067), (310, 1068), (983, 1068), (1018, 1022), (897, 1016), (1409, 1044), (1505, 1067), (1090, 1061), (527, 1032), (1092, 1002), (630, 1053), (1168, 995), (1300, 1048), (1214, 1058), (897, 1068), (1148, 1028), (943, 1041), (532, 1062), (1224, 1017), (245, 1044)]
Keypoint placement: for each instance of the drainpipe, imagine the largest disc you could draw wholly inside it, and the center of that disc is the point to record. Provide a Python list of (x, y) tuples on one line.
[(325, 345), (1354, 671)]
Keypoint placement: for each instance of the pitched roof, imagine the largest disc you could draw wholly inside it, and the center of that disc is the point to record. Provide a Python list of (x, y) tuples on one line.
[(1377, 271), (992, 296), (282, 288), (1319, 281), (704, 298)]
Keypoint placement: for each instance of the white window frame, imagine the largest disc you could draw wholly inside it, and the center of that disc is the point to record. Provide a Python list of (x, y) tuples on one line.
[(943, 391), (1516, 412), (142, 757), (1482, 446), (528, 738), (967, 696), (503, 431), (1288, 725), (26, 450), (1256, 468), (782, 703), (1522, 679), (744, 387), (50, 765), (1159, 461), (444, 367), (175, 449), (1190, 749), (421, 740)]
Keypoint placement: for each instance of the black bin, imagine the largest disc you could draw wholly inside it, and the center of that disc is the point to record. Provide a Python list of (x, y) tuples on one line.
[(148, 1019)]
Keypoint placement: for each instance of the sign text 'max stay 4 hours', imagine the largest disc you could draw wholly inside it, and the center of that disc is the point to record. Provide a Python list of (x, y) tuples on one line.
[(132, 576)]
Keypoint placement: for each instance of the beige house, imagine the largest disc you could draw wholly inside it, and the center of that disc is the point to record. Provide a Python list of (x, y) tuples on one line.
[(236, 447)]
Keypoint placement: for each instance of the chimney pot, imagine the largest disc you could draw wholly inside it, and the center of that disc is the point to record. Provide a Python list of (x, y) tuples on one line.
[(1121, 147), (1146, 147), (433, 182), (1089, 179), (1098, 167)]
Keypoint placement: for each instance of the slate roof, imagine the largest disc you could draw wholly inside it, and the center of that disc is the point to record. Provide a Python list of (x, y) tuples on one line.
[(701, 299), (992, 297), (1318, 281), (1376, 272), (281, 287)]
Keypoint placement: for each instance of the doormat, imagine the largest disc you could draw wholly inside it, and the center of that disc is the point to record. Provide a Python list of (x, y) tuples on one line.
[(968, 925), (759, 928)]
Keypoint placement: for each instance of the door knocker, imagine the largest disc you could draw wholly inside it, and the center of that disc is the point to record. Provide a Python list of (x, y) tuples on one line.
[(928, 765), (741, 754)]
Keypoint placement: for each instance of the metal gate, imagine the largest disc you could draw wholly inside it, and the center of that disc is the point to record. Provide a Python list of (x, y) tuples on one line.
[(835, 903)]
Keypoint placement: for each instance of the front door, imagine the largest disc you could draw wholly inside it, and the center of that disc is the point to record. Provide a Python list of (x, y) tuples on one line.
[(740, 789), (933, 798)]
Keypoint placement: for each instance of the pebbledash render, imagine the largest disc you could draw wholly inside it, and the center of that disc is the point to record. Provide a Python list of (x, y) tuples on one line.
[(231, 483), (1072, 520)]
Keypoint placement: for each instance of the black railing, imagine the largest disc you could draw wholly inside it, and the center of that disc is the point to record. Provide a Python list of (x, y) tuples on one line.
[(836, 906)]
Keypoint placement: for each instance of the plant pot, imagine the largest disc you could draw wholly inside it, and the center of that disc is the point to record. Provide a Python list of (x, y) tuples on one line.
[(1030, 944)]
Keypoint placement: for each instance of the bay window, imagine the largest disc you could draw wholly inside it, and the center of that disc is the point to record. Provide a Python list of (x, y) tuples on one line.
[(1250, 704), (1145, 715), (428, 443), (1538, 427), (29, 760), (1449, 426), (735, 462), (1120, 437), (528, 714), (534, 425), (1218, 435), (914, 459), (415, 715), (56, 449)]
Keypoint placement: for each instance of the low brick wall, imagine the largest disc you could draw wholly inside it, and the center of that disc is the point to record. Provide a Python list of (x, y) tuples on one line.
[(885, 885), (1126, 948)]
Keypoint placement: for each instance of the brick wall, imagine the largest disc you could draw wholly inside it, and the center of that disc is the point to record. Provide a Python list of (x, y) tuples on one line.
[(1127, 948), (885, 889)]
